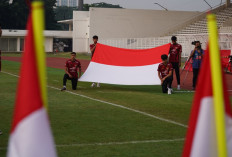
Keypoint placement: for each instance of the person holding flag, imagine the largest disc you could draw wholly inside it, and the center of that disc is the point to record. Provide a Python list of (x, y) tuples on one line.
[(92, 49), (165, 74), (175, 58)]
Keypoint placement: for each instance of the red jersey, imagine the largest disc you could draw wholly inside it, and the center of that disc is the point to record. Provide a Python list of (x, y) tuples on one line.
[(164, 69), (175, 52), (72, 67), (92, 46)]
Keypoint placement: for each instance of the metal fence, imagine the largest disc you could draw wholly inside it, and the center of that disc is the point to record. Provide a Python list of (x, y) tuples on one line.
[(225, 41)]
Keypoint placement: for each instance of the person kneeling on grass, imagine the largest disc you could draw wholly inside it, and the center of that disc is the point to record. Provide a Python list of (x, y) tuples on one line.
[(71, 73), (165, 74)]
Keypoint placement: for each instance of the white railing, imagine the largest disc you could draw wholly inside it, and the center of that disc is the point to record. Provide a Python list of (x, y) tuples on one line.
[(225, 41)]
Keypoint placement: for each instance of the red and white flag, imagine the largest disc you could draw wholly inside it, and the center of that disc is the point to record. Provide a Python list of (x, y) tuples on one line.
[(201, 138), (210, 127), (113, 65), (30, 133)]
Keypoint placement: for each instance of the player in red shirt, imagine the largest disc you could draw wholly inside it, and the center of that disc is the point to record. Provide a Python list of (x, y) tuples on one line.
[(92, 49), (175, 58), (71, 73), (165, 74), (93, 46)]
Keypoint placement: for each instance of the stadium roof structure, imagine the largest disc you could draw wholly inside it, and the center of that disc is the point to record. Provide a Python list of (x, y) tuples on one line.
[(47, 33)]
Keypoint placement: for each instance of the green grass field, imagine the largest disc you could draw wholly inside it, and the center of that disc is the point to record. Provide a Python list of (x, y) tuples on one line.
[(86, 127), (84, 56)]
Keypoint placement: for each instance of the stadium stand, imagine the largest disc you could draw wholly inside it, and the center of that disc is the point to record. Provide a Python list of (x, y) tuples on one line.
[(191, 30), (200, 26)]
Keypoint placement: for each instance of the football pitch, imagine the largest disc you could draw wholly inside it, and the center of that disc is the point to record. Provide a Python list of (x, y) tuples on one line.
[(112, 120)]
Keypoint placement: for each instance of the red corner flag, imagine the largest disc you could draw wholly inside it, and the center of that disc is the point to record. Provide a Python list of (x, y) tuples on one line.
[(31, 134), (210, 131)]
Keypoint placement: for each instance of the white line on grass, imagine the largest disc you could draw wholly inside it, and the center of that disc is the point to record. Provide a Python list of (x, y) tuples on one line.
[(10, 74), (113, 143), (185, 91), (127, 108), (116, 105), (118, 143)]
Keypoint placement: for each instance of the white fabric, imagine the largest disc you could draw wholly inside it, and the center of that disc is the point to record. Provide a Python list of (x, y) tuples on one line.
[(229, 135), (205, 142), (123, 75), (32, 137)]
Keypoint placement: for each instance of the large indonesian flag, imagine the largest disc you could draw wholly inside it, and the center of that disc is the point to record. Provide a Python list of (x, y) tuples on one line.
[(124, 66), (31, 134), (210, 127)]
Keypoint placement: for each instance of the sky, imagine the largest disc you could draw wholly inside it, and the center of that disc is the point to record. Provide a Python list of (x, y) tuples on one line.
[(181, 5)]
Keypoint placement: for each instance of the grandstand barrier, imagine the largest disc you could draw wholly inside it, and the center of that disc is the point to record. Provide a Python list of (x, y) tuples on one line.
[(225, 41)]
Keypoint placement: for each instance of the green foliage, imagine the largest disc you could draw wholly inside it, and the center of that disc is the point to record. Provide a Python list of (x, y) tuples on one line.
[(100, 5), (14, 16), (51, 23), (64, 13)]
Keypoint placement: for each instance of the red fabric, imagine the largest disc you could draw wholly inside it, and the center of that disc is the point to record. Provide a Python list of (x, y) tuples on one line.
[(225, 59), (188, 65), (91, 46), (126, 57), (175, 52), (165, 69), (28, 98), (73, 67), (224, 56), (203, 89)]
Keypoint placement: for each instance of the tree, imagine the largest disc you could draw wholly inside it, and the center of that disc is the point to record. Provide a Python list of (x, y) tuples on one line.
[(14, 16), (51, 23), (64, 13), (100, 5)]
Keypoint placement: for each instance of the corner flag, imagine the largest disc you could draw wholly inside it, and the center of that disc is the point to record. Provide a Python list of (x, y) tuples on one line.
[(210, 127), (30, 133)]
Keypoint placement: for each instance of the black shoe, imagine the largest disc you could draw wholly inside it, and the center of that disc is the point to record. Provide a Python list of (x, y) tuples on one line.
[(1, 132), (64, 88)]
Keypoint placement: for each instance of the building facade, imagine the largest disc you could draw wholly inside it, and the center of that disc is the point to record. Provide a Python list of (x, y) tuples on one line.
[(13, 40)]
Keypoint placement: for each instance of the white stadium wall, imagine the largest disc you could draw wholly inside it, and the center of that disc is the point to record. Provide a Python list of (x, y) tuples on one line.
[(48, 44), (80, 31), (110, 23), (133, 23)]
